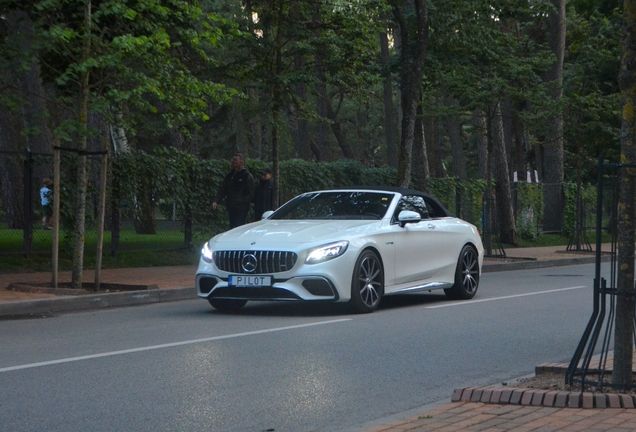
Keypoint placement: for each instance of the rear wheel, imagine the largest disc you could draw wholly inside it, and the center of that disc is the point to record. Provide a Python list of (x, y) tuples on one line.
[(227, 305), (367, 284), (466, 275)]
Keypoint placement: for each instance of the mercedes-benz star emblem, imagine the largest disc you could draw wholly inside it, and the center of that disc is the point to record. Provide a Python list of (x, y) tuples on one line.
[(249, 263)]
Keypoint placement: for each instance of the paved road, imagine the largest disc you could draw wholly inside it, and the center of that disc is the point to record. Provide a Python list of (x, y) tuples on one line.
[(183, 366)]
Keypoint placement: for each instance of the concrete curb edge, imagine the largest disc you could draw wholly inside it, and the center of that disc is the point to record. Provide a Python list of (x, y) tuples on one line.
[(527, 265), (94, 301)]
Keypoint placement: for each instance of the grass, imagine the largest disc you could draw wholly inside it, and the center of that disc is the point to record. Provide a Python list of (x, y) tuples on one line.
[(136, 250), (124, 259), (556, 240), (12, 239)]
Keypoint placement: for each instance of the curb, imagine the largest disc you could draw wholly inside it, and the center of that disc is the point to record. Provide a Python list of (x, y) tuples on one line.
[(26, 308), (527, 265), (543, 398)]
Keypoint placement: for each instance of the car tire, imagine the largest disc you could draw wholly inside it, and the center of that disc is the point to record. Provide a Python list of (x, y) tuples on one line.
[(466, 275), (227, 305), (367, 283)]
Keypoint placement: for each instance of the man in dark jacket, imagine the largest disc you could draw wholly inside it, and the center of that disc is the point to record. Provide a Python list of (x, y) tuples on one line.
[(237, 190), (263, 195)]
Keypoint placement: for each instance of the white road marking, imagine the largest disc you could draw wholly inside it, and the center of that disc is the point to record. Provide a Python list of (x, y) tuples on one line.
[(504, 297), (167, 345)]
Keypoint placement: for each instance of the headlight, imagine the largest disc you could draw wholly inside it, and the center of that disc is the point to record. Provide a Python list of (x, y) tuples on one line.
[(326, 252), (206, 253)]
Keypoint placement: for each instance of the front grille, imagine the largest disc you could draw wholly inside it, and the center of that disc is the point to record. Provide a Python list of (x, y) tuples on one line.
[(266, 261)]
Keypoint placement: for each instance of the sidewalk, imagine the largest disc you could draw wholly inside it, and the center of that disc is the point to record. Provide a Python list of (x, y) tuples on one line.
[(462, 416), (486, 408)]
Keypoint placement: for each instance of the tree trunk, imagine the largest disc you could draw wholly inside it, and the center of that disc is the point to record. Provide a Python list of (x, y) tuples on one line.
[(622, 374), (82, 177), (322, 134), (254, 137), (145, 222), (420, 158), (553, 151), (276, 107), (11, 167), (520, 148), (508, 132), (433, 151), (480, 143), (337, 130), (506, 219), (412, 55), (176, 139), (39, 137), (453, 127), (390, 115), (300, 132), (118, 135)]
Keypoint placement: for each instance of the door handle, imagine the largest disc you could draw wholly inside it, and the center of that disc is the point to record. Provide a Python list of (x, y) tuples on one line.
[(431, 226)]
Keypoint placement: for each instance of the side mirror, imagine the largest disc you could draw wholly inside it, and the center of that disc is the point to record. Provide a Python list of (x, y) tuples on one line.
[(408, 216), (267, 214)]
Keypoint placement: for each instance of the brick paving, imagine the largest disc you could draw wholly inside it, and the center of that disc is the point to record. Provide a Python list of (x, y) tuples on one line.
[(474, 416)]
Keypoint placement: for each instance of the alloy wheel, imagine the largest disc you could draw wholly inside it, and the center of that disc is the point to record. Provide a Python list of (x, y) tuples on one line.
[(370, 280)]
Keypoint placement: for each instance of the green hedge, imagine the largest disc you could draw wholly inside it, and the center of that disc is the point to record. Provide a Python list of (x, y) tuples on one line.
[(168, 180)]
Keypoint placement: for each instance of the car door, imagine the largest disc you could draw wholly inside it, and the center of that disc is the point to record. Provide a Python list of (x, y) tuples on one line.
[(417, 245)]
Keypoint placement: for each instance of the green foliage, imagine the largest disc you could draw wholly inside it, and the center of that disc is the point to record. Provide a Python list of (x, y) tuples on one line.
[(588, 195), (471, 192), (591, 93), (529, 209), (444, 190), (191, 184)]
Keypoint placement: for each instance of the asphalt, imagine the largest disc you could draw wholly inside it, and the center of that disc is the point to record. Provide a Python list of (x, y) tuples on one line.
[(493, 408)]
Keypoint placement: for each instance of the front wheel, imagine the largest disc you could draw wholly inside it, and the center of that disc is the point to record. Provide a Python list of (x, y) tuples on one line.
[(227, 305), (466, 275), (367, 284)]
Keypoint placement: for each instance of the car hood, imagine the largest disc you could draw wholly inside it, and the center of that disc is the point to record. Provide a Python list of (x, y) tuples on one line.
[(277, 232)]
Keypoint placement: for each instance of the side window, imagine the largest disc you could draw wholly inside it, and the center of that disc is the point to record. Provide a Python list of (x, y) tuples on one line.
[(412, 203)]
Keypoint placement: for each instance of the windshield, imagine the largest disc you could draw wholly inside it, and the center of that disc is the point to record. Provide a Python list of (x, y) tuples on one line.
[(336, 205)]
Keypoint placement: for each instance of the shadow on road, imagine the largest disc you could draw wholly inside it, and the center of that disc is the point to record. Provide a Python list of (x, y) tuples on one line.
[(328, 309)]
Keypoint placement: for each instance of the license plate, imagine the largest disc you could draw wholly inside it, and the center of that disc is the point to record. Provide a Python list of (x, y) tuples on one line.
[(249, 280)]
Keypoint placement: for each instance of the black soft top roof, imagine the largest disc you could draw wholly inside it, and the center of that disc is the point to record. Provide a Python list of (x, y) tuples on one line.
[(438, 209)]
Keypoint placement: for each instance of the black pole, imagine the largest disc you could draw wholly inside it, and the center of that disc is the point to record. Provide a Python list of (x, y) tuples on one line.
[(188, 228), (458, 198), (596, 310), (28, 204), (115, 224), (599, 218)]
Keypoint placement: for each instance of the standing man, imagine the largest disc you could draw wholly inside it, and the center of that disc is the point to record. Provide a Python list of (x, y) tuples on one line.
[(264, 194), (237, 190)]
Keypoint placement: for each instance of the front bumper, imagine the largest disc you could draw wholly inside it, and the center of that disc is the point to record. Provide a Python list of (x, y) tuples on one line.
[(305, 288)]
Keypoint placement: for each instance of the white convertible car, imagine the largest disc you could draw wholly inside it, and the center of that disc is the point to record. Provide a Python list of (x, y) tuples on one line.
[(354, 245)]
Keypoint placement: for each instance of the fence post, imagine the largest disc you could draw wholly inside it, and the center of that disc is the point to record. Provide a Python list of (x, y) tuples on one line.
[(115, 226), (188, 228), (458, 198), (57, 198), (28, 204)]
